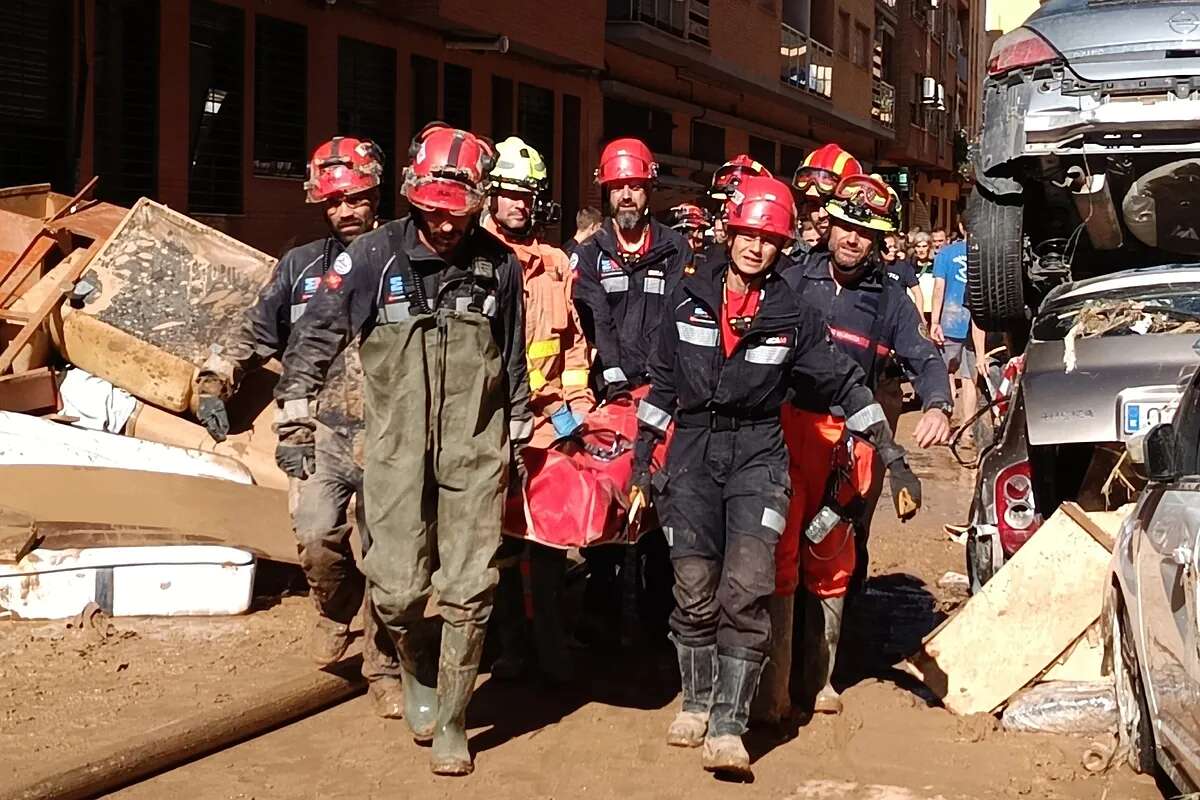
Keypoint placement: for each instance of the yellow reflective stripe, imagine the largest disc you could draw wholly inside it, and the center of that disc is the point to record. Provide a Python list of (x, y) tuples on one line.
[(840, 164), (544, 348), (575, 377), (536, 379)]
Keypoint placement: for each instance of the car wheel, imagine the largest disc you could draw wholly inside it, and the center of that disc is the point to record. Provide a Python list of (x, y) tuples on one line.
[(1132, 710), (995, 262), (980, 562)]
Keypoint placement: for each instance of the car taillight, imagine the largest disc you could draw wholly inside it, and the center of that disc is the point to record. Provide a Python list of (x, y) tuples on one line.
[(1016, 512), (1021, 48)]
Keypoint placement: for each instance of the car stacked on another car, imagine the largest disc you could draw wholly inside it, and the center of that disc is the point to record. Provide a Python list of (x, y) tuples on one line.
[(1107, 359)]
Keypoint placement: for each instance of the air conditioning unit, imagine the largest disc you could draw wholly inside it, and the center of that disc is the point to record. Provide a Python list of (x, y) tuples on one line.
[(929, 91)]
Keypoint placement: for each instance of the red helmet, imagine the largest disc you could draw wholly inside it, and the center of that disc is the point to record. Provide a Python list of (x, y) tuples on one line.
[(763, 204), (343, 166), (731, 173), (818, 176), (449, 170), (626, 160), (689, 216)]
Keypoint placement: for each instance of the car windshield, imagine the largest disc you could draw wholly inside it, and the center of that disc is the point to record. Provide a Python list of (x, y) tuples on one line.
[(1122, 312)]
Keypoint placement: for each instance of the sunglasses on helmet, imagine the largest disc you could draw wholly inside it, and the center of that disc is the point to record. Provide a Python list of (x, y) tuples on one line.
[(865, 191)]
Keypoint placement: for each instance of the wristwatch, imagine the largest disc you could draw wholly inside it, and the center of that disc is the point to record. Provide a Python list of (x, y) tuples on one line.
[(944, 407)]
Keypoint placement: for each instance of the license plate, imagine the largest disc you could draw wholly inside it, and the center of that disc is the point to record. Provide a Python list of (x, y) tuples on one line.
[(1140, 416)]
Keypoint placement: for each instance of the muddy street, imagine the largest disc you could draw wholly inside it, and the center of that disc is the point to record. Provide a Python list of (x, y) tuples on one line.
[(68, 689)]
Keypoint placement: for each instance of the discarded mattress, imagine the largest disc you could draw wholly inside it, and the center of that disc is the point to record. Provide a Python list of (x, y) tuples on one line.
[(29, 440), (171, 580)]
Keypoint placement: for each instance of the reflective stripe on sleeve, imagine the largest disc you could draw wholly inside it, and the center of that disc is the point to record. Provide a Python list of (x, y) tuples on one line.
[(653, 416), (614, 375), (773, 520), (545, 348), (537, 379), (694, 334), (865, 417), (520, 430), (298, 311), (575, 377)]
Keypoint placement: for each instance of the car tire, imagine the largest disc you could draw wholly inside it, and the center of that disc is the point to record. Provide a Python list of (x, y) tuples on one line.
[(980, 561), (995, 262), (1132, 710)]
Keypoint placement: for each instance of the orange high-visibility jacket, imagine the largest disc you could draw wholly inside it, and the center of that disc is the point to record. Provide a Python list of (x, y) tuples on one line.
[(556, 349)]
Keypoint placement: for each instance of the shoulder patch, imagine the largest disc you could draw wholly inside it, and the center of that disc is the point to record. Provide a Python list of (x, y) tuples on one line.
[(574, 262), (342, 264)]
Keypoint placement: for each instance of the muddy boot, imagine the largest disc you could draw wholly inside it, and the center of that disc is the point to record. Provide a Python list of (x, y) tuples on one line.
[(462, 646), (328, 641), (723, 752), (418, 675), (508, 623), (772, 703), (822, 629), (697, 671), (387, 697), (547, 571)]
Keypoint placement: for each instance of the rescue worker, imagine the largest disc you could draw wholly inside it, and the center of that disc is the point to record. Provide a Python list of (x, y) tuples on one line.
[(624, 270), (343, 176), (868, 316), (436, 304), (814, 180), (692, 222), (557, 356), (724, 181), (735, 338)]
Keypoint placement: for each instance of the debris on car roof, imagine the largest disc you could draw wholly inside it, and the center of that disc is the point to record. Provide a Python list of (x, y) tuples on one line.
[(1102, 317)]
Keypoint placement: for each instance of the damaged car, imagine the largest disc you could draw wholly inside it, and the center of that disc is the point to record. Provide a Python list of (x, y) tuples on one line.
[(1089, 157), (1107, 359)]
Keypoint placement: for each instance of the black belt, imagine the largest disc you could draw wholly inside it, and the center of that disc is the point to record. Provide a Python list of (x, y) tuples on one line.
[(717, 421)]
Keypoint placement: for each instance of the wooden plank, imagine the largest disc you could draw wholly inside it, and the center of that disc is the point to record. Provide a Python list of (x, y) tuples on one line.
[(27, 392), (18, 534), (37, 317), (24, 267), (94, 221), (1082, 661), (1027, 616), (69, 208), (91, 498)]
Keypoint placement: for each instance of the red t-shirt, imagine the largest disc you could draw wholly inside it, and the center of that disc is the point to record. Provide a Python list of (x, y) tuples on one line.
[(736, 305)]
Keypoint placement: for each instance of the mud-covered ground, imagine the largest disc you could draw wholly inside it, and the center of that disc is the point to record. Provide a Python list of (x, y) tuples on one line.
[(67, 690)]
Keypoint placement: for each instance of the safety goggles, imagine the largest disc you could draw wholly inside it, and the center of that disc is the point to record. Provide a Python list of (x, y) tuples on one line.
[(866, 192), (815, 179)]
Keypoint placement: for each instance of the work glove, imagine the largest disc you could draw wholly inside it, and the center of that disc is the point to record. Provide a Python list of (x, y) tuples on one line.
[(906, 489), (642, 486), (296, 453), (520, 471), (566, 422), (616, 390), (209, 393)]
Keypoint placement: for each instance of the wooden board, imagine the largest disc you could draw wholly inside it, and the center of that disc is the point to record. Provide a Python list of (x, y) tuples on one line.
[(94, 498), (1027, 616), (18, 533), (27, 392), (1082, 661)]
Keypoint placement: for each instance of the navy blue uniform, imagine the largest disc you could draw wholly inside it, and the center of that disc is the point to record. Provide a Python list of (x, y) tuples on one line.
[(621, 299), (725, 501), (869, 321), (902, 273)]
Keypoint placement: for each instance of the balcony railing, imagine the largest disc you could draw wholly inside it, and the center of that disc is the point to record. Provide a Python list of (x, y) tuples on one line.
[(685, 19), (883, 102), (805, 63)]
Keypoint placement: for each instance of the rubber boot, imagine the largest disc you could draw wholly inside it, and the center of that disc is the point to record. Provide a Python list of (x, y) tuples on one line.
[(548, 569), (328, 641), (462, 646), (697, 672), (822, 630), (508, 622), (418, 675), (723, 752), (387, 697), (772, 703)]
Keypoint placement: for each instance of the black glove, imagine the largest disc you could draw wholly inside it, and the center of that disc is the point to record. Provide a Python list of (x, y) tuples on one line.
[(906, 489), (616, 390), (520, 471), (296, 453), (213, 415)]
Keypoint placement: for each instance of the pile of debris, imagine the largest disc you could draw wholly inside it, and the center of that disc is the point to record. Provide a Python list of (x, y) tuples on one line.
[(104, 313)]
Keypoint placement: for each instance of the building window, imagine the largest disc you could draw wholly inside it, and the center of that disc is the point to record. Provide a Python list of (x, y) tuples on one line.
[(456, 96), (708, 143), (503, 123), (367, 103), (535, 119), (126, 107), (280, 98), (216, 114), (652, 125), (424, 92), (572, 164), (763, 151), (862, 46), (790, 158), (843, 34)]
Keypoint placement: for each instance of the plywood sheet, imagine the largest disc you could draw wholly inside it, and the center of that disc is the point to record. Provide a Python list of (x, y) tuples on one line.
[(1028, 615)]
